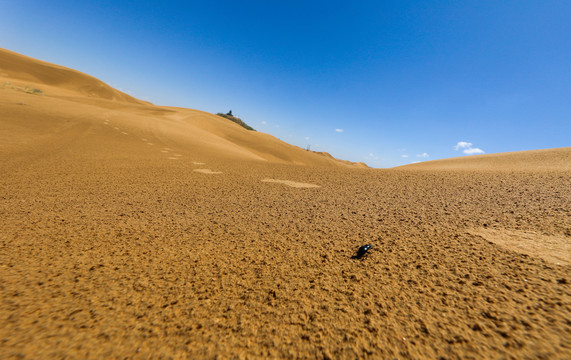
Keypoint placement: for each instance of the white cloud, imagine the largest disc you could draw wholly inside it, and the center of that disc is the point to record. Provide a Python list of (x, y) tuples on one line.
[(277, 126), (404, 155), (424, 155), (462, 145), (307, 138), (264, 123), (371, 155), (467, 148), (471, 151), (339, 130)]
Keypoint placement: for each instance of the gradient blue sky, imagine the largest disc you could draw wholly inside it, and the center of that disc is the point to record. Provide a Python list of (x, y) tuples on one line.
[(405, 81)]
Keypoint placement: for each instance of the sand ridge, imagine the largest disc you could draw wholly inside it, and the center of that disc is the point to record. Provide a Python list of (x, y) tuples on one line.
[(196, 129), (558, 159)]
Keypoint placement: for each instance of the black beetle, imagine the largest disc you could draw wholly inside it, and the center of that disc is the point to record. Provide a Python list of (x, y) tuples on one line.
[(362, 251)]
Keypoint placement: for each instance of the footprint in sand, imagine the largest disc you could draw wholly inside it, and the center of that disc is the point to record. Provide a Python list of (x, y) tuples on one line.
[(173, 158), (124, 133), (150, 143), (207, 171), (145, 140), (291, 183), (116, 128), (198, 163), (164, 151)]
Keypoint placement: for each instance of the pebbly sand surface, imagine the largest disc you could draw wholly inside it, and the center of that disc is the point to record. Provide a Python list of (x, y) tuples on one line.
[(113, 246)]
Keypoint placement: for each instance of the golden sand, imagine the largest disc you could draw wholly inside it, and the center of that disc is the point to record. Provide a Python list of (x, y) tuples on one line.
[(111, 248)]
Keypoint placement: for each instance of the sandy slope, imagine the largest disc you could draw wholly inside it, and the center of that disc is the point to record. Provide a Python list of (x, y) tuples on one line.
[(113, 246), (69, 94), (532, 160), (55, 78)]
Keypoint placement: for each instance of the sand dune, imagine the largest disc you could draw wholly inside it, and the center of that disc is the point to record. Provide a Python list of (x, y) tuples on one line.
[(533, 160), (130, 230), (86, 96), (19, 68)]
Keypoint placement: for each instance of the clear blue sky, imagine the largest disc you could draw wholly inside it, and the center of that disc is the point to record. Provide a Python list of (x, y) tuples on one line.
[(405, 81)]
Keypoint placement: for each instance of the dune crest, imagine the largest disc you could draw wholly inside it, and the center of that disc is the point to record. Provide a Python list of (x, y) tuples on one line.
[(557, 159), (19, 67)]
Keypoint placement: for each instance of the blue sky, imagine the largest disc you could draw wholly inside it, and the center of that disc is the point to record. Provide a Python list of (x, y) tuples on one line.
[(385, 82)]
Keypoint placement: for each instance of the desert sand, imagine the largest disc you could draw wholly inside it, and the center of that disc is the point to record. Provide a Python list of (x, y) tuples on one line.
[(136, 231)]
